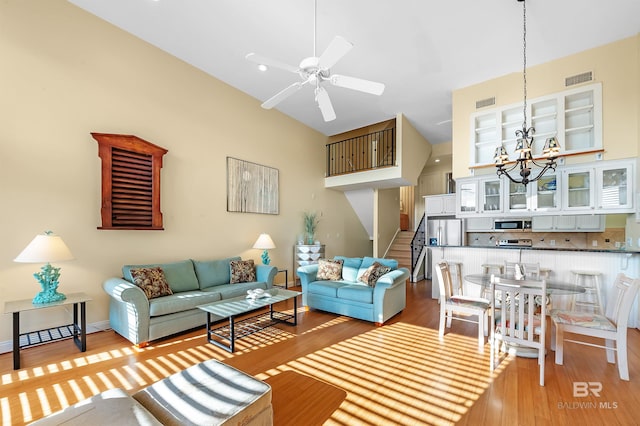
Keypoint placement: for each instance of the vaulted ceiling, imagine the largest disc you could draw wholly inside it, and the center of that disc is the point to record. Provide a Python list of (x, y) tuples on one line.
[(421, 50)]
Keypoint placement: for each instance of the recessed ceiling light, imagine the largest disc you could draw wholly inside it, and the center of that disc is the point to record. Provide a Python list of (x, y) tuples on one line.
[(262, 67), (437, 160)]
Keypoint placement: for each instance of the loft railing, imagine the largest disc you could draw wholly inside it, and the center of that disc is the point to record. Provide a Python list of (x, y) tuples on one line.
[(417, 245), (372, 151)]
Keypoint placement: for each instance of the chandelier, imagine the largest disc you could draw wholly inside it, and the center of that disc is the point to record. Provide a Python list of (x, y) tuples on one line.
[(523, 164)]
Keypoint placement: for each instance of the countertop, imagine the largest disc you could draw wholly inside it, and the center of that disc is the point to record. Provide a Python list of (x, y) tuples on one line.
[(620, 251)]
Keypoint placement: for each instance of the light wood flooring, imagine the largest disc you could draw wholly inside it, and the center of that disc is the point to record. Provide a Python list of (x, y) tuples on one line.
[(335, 370)]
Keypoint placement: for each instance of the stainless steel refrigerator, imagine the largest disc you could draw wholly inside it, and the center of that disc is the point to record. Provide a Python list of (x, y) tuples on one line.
[(442, 232)]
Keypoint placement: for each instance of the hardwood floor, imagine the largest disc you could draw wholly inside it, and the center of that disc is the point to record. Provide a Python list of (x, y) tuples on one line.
[(339, 371)]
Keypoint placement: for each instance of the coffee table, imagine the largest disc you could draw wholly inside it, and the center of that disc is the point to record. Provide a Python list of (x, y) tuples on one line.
[(236, 306)]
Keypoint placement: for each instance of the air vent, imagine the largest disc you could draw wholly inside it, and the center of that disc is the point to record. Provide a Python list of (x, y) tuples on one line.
[(485, 102), (579, 78)]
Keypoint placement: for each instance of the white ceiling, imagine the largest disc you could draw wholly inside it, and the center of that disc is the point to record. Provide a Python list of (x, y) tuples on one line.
[(422, 50)]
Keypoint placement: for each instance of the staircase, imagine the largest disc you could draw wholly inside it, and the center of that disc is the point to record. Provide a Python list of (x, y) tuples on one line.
[(401, 249)]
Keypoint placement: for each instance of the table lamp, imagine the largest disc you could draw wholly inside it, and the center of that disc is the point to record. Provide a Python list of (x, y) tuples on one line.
[(45, 248), (265, 242)]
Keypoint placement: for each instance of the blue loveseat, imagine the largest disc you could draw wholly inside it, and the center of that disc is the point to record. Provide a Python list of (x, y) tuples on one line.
[(353, 298), (193, 283)]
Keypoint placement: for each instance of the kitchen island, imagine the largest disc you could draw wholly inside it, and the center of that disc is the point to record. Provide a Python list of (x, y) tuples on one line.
[(559, 261)]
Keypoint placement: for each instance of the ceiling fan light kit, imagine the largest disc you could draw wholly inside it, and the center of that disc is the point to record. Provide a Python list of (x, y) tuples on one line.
[(316, 71)]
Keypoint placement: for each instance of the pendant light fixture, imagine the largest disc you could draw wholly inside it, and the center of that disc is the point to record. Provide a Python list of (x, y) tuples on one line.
[(524, 163)]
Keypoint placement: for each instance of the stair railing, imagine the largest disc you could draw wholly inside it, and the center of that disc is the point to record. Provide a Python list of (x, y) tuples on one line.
[(417, 245)]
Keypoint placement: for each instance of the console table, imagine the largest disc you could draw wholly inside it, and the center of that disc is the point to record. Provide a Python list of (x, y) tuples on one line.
[(77, 330)]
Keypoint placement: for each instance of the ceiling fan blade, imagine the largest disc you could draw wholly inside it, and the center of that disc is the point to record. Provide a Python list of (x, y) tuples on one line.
[(282, 95), (336, 50), (360, 84), (261, 60), (324, 103)]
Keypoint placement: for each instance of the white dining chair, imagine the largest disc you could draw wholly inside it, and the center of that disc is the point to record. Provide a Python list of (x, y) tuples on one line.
[(518, 320), (453, 306), (612, 327)]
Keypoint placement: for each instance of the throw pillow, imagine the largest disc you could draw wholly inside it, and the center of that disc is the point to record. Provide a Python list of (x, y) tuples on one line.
[(329, 269), (152, 281), (373, 272), (242, 271)]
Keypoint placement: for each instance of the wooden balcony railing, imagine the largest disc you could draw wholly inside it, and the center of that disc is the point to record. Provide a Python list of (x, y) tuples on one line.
[(368, 152)]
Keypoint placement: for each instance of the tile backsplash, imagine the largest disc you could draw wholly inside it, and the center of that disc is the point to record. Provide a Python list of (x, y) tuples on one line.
[(610, 238)]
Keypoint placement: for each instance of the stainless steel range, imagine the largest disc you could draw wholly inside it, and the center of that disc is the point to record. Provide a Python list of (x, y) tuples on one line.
[(518, 242)]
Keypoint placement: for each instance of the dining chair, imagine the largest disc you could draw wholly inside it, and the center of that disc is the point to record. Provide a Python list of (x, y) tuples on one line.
[(612, 327), (452, 305), (519, 321)]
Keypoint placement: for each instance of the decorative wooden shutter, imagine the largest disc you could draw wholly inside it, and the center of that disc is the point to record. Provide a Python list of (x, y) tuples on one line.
[(130, 182)]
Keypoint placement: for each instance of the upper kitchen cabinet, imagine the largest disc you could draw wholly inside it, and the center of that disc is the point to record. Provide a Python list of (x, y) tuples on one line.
[(481, 195), (440, 205), (573, 116), (539, 196), (602, 187)]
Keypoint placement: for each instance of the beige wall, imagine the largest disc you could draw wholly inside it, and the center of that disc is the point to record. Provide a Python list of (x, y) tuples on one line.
[(616, 65), (386, 219), (415, 150), (66, 74)]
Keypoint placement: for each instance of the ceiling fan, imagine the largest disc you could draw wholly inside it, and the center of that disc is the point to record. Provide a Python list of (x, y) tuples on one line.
[(316, 71)]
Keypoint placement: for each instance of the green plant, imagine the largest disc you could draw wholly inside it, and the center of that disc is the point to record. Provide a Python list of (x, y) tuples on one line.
[(310, 224)]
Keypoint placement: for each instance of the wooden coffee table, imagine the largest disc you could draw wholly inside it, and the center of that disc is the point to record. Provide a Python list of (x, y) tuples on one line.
[(224, 336)]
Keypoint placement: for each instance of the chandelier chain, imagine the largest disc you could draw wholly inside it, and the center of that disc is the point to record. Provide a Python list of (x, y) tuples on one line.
[(524, 62)]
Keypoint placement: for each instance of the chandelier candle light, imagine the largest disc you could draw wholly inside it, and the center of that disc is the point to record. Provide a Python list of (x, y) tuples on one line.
[(264, 242), (525, 137), (46, 248)]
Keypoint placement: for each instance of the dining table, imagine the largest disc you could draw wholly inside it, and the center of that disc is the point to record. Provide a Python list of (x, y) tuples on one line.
[(554, 288)]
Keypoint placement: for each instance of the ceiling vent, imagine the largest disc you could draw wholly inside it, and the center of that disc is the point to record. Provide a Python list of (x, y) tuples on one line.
[(485, 102), (579, 78)]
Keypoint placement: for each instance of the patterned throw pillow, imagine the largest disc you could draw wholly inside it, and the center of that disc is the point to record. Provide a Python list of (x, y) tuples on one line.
[(152, 281), (242, 271), (329, 269), (373, 272)]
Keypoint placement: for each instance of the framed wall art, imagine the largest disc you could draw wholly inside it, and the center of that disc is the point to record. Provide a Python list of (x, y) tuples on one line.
[(251, 187)]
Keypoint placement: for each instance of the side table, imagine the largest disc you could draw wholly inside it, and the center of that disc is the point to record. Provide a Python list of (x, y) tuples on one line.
[(77, 330), (286, 277)]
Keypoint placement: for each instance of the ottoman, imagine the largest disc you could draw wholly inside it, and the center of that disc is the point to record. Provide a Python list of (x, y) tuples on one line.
[(209, 393)]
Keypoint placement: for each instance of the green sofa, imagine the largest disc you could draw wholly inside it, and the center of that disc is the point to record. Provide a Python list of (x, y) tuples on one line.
[(141, 320)]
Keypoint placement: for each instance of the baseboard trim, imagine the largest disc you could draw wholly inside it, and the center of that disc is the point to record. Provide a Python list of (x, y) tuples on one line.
[(7, 345)]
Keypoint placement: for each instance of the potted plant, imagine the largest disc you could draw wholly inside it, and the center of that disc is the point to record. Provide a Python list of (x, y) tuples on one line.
[(310, 224)]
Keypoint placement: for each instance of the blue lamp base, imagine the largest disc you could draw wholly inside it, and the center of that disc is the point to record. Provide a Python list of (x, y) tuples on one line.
[(265, 258), (48, 279)]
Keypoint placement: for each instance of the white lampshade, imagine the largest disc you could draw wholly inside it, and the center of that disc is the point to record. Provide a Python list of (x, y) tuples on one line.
[(264, 242), (45, 248)]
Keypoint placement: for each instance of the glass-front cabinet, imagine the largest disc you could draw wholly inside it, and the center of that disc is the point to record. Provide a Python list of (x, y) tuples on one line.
[(615, 186), (578, 191), (545, 193), (490, 195), (606, 187), (589, 188), (479, 196)]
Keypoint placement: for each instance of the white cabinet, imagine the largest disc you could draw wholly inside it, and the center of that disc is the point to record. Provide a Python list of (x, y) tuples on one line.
[(438, 205), (479, 224), (568, 223), (614, 190), (573, 116), (479, 196), (602, 187), (306, 254)]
